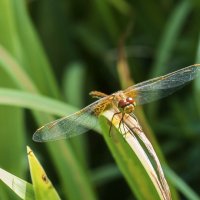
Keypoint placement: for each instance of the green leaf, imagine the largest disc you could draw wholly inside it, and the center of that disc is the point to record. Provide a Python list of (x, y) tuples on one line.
[(121, 6), (169, 37), (168, 42), (197, 81), (105, 174), (74, 89), (33, 57), (11, 119), (106, 13), (43, 187), (57, 150), (181, 185), (132, 161), (74, 95), (34, 102), (22, 188)]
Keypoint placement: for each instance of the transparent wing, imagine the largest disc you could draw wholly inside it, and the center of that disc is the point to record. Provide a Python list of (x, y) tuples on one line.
[(162, 86), (71, 125)]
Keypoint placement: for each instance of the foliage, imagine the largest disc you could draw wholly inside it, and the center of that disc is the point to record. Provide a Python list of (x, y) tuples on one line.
[(41, 188), (52, 52)]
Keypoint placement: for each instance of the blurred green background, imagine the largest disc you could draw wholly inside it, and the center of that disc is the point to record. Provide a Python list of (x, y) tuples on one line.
[(64, 49)]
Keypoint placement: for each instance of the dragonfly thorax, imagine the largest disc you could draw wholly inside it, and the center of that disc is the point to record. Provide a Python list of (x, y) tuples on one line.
[(126, 105)]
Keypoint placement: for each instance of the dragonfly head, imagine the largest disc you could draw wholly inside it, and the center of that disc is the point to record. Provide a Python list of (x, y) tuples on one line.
[(127, 105)]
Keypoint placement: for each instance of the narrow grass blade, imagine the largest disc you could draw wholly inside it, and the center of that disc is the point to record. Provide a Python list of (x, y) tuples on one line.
[(122, 6), (43, 187), (124, 75), (35, 102), (74, 95), (22, 188), (10, 118), (133, 162), (123, 68), (181, 185), (31, 60), (24, 82), (168, 42), (105, 12), (105, 174), (33, 56), (10, 65), (197, 81), (73, 90), (139, 132), (77, 185), (169, 37)]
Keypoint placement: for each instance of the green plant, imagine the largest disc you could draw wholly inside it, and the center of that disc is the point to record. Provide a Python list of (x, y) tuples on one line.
[(80, 42)]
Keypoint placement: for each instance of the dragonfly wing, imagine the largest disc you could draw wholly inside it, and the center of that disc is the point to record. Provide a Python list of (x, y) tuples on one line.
[(147, 96), (162, 86), (71, 125)]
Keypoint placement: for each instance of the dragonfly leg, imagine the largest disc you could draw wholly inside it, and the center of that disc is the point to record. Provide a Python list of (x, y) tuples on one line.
[(132, 129), (122, 120), (117, 113), (132, 115), (125, 132), (97, 94), (120, 123), (124, 124)]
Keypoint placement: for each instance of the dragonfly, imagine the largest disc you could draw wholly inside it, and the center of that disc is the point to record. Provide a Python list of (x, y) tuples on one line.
[(124, 101)]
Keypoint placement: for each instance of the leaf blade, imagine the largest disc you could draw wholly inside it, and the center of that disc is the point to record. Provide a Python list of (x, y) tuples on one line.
[(42, 186), (22, 188)]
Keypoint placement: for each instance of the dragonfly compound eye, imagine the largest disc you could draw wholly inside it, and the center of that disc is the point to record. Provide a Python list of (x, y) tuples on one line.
[(122, 103), (68, 126), (130, 100)]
